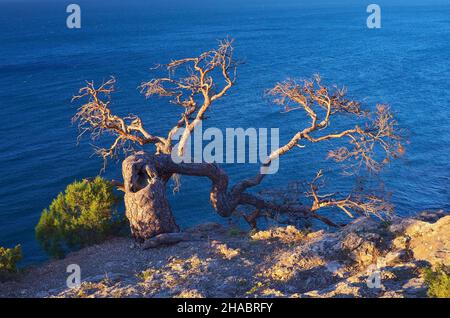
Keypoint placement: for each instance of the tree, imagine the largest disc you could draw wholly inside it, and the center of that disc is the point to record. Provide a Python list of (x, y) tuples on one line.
[(194, 84), (83, 215)]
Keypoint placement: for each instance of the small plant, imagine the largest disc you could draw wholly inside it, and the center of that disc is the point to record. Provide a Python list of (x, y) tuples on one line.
[(147, 275), (438, 281), (9, 258), (255, 288), (83, 215)]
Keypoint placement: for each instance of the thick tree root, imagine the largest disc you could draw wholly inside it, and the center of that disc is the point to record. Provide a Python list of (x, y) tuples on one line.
[(148, 210), (165, 239)]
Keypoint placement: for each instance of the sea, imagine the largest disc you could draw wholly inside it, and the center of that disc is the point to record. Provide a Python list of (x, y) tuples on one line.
[(405, 63)]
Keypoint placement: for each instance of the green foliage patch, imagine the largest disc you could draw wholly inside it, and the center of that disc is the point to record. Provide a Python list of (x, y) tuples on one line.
[(438, 281), (83, 215), (9, 258)]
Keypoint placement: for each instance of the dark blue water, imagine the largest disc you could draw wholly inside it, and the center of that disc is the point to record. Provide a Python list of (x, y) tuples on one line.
[(406, 64)]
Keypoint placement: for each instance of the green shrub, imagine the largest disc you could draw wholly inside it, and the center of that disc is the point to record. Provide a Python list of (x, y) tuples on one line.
[(438, 281), (9, 258), (83, 215)]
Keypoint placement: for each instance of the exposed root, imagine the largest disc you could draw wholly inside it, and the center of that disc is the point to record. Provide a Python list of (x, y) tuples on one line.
[(165, 239)]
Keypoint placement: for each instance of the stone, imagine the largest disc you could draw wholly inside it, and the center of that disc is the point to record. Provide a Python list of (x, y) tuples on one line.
[(335, 268), (400, 242)]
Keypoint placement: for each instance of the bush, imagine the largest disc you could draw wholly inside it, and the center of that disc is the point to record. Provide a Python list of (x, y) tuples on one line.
[(8, 259), (83, 215), (438, 281)]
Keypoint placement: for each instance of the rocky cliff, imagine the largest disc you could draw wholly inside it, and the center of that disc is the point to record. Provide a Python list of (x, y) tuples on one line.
[(367, 258)]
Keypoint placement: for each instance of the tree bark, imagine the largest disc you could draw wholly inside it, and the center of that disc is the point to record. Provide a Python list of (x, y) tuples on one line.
[(147, 208), (148, 211), (146, 205)]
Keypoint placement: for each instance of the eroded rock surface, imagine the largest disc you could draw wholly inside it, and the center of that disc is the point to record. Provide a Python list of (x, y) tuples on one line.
[(367, 258)]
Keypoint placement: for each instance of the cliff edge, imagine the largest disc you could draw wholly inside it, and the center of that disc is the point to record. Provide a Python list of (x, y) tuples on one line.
[(367, 258)]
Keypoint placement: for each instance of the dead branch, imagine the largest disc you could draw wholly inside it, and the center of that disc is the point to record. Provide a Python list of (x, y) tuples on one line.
[(359, 202), (96, 117), (322, 104), (196, 88)]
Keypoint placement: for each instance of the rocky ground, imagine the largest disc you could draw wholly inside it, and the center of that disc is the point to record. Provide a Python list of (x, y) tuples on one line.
[(367, 258)]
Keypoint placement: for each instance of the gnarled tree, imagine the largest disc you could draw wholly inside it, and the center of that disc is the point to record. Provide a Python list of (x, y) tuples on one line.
[(194, 84)]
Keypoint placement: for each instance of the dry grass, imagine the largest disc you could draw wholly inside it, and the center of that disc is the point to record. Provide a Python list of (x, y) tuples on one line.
[(289, 263), (288, 234), (190, 294), (224, 251)]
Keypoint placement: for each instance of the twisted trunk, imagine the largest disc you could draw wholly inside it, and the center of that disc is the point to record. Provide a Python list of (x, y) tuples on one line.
[(147, 208), (146, 205)]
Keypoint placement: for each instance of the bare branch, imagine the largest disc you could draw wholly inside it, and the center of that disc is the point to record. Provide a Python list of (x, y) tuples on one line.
[(322, 104), (358, 202), (313, 97), (96, 117), (196, 88)]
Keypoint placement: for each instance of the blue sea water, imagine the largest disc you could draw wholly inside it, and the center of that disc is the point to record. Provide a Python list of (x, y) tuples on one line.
[(405, 64)]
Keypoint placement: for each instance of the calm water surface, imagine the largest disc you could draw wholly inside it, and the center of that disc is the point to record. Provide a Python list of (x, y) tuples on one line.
[(406, 64)]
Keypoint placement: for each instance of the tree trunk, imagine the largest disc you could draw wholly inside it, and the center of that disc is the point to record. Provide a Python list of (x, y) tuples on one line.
[(147, 208)]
